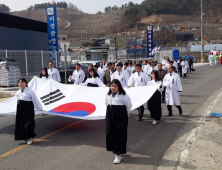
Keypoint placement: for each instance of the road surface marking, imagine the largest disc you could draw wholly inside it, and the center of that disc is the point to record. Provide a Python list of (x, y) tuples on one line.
[(39, 139)]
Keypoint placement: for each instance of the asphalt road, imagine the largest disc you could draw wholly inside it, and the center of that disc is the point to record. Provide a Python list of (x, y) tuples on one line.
[(80, 144)]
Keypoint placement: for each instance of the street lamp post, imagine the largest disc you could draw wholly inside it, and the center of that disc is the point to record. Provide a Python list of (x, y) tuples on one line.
[(202, 45)]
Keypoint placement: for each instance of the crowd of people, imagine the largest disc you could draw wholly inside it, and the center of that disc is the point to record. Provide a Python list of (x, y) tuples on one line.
[(116, 76)]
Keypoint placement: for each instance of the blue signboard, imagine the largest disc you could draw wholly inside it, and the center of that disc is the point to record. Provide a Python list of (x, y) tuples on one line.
[(149, 41), (53, 35)]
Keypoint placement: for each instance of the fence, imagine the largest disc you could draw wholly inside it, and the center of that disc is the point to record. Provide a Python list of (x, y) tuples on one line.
[(30, 62), (122, 54)]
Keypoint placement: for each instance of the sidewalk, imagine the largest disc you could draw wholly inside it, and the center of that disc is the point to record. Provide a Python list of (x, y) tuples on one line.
[(199, 143), (199, 64)]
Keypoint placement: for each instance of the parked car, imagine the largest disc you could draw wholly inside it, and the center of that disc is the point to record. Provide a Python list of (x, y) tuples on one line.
[(69, 70), (90, 63)]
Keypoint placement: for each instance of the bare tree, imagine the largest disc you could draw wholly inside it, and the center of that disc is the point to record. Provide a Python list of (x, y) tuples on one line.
[(72, 6), (165, 35)]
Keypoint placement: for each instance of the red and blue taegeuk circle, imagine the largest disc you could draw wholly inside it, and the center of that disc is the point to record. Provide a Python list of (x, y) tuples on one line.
[(75, 109)]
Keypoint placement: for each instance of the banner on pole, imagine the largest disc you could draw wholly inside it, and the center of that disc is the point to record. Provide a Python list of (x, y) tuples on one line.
[(149, 41), (53, 34)]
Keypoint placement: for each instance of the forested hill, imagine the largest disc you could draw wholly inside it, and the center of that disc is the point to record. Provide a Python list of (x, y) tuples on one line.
[(176, 7)]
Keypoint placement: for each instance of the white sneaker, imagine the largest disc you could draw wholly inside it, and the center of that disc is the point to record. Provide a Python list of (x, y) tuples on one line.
[(25, 142), (30, 141), (154, 122), (118, 159)]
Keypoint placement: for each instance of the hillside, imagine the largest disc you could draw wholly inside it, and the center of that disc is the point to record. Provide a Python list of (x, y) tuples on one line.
[(92, 24), (98, 25)]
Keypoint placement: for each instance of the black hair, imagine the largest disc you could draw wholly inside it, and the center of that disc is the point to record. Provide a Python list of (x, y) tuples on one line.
[(51, 62), (156, 62), (90, 65), (46, 73), (23, 80), (157, 78), (95, 73), (171, 62), (126, 63), (134, 62), (96, 66), (113, 63), (109, 64), (140, 62), (117, 82), (146, 61), (139, 65), (78, 64), (130, 62), (168, 60), (119, 64), (152, 62)]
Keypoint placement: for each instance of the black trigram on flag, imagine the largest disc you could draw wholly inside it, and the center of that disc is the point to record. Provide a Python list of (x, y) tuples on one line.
[(52, 97)]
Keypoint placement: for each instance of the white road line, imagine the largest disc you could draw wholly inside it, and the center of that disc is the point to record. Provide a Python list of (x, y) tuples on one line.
[(192, 137)]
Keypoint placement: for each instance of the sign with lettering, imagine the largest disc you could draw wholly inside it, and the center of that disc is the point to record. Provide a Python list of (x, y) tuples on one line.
[(149, 41), (53, 35)]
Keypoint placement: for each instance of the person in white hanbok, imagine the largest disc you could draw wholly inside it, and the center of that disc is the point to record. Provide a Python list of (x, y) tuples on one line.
[(185, 67), (151, 68), (44, 74), (127, 69), (146, 67), (105, 64), (95, 67), (133, 67), (93, 80), (154, 103), (139, 78), (101, 69), (164, 63), (53, 72), (173, 86), (120, 75), (78, 75), (27, 101), (116, 123)]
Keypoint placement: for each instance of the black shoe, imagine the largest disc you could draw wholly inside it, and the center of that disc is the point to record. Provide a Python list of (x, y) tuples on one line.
[(140, 119), (169, 115), (180, 112)]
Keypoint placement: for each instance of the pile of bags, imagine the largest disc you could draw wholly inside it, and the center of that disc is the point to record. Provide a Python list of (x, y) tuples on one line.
[(9, 72)]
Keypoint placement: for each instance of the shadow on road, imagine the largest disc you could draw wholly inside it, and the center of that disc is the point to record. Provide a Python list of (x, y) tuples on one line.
[(146, 142)]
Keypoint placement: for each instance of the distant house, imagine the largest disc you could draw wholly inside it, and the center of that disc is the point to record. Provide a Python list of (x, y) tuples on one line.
[(184, 36), (102, 41), (62, 37)]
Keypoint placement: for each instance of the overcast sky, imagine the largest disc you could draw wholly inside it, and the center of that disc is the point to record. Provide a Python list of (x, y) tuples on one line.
[(90, 6)]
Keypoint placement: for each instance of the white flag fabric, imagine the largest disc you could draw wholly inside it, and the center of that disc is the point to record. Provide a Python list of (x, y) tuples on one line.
[(76, 101)]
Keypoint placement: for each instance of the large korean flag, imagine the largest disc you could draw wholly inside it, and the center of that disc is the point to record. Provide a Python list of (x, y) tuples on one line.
[(76, 101)]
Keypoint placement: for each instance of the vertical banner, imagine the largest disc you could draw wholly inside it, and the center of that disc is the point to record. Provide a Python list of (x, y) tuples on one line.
[(53, 35), (149, 41)]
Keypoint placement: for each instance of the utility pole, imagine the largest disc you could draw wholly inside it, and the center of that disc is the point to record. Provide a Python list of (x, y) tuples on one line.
[(115, 47), (136, 32), (65, 63), (126, 36), (202, 45)]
